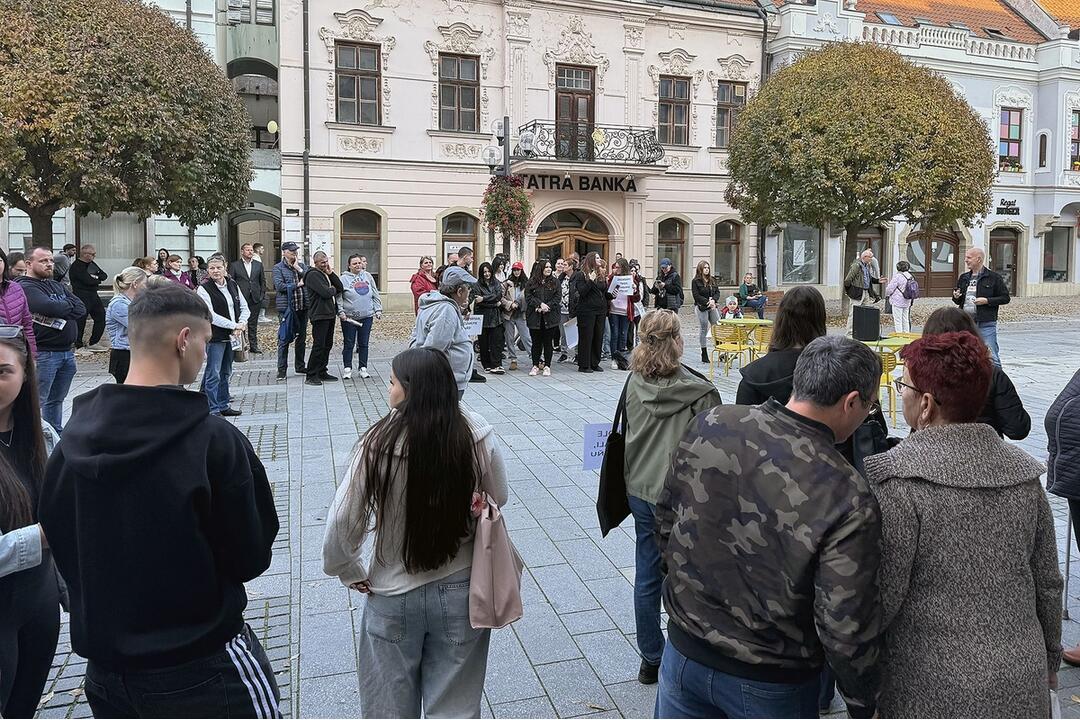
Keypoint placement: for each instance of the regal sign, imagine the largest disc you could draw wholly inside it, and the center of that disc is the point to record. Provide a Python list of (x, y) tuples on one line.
[(582, 183), (1007, 207)]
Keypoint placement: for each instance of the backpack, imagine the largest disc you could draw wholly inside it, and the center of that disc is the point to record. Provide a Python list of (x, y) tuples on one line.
[(911, 290)]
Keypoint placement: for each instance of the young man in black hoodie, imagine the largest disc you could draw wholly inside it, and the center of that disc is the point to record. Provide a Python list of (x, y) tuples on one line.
[(156, 554)]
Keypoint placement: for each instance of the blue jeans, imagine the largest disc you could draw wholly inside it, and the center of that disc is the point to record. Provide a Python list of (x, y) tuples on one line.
[(606, 347), (648, 582), (219, 357), (56, 370), (758, 306), (989, 335), (689, 689), (355, 337), (421, 652), (619, 327)]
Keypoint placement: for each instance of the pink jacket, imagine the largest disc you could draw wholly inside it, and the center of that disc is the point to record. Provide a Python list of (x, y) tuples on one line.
[(15, 311)]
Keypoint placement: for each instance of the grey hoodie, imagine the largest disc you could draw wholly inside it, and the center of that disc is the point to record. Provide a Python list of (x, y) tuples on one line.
[(439, 326), (361, 296)]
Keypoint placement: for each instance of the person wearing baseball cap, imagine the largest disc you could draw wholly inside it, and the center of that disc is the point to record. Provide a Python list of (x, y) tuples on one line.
[(668, 287), (440, 324), (288, 278)]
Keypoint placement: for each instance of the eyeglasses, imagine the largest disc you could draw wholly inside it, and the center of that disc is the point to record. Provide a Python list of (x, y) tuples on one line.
[(900, 385), (9, 332)]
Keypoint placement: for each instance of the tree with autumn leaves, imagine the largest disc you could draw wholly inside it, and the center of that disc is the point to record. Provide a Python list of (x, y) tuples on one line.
[(110, 106), (854, 135)]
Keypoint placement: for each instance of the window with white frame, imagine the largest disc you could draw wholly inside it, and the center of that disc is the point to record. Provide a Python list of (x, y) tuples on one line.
[(358, 72), (1056, 254)]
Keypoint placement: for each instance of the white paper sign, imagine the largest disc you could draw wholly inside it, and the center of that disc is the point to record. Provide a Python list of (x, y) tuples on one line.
[(592, 452), (322, 240), (623, 284), (571, 332), (474, 325)]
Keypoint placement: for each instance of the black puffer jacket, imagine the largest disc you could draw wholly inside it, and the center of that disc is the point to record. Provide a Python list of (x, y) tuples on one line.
[(704, 293), (592, 295), (549, 294), (1004, 411), (1063, 442)]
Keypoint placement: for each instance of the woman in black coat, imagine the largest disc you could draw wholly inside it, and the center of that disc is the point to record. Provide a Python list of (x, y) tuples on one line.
[(489, 295), (1003, 411), (1063, 464), (591, 311), (542, 307)]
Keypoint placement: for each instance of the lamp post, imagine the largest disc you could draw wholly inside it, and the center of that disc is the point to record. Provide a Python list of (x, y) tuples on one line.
[(497, 158)]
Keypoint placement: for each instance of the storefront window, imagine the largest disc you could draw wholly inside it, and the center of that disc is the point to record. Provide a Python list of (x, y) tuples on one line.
[(802, 255), (671, 244), (1056, 255), (361, 235), (458, 231), (726, 265)]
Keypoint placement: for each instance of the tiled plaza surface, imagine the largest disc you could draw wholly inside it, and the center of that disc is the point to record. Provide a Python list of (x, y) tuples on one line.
[(573, 653)]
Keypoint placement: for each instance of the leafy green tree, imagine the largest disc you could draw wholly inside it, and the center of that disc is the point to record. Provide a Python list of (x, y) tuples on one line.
[(109, 105), (855, 135)]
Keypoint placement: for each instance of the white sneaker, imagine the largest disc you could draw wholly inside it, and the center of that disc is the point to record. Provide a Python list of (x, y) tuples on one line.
[(614, 365), (547, 371), (364, 373), (97, 348), (534, 372), (347, 374)]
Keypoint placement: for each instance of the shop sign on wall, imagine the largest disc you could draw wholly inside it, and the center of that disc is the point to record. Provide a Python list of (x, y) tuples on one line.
[(582, 183)]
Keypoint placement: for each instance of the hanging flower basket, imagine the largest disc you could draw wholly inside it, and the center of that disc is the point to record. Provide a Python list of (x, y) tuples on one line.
[(507, 207)]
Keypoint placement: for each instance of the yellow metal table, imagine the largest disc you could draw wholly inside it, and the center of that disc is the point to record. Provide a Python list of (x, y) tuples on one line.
[(733, 338)]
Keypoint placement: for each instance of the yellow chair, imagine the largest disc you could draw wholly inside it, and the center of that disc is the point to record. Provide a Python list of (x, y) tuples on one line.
[(762, 338), (730, 341), (912, 335), (889, 362)]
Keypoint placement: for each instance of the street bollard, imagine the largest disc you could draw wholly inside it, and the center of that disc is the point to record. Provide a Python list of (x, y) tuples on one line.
[(1068, 561)]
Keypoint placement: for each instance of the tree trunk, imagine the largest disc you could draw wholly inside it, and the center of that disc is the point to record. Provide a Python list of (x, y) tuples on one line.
[(41, 223)]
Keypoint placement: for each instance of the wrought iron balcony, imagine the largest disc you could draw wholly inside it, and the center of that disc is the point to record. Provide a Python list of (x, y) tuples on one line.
[(588, 142)]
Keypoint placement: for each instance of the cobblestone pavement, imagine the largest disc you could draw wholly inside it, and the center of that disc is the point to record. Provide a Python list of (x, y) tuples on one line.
[(573, 653)]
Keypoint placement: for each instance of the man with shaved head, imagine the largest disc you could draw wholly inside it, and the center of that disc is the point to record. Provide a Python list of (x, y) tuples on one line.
[(323, 287), (156, 553), (979, 292)]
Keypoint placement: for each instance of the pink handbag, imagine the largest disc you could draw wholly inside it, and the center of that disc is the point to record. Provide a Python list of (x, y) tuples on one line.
[(495, 584)]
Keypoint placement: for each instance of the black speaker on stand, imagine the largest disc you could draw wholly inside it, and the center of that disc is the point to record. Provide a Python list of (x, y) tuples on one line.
[(866, 323)]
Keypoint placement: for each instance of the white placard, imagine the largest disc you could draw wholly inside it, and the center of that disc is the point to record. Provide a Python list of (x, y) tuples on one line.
[(594, 446), (623, 284), (474, 325), (291, 223), (322, 240), (571, 332)]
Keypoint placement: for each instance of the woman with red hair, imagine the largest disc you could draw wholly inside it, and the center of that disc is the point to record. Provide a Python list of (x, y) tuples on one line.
[(969, 575)]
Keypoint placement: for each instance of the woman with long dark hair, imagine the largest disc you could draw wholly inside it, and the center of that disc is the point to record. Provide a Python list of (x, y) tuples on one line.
[(515, 326), (621, 313), (591, 311), (29, 592), (542, 302), (163, 260), (489, 304), (14, 309), (706, 292), (412, 483)]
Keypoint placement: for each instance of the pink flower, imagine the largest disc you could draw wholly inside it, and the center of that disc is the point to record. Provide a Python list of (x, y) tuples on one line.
[(477, 505)]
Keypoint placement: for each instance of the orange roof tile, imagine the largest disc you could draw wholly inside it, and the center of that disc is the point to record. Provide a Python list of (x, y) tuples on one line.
[(975, 14), (1064, 10)]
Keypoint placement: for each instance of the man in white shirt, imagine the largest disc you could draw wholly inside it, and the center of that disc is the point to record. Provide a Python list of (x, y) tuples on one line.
[(229, 314)]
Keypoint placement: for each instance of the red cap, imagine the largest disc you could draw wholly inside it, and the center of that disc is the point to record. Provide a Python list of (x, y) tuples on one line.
[(517, 266)]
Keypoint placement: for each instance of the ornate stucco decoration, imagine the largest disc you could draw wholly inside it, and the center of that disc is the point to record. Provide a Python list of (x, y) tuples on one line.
[(459, 38), (517, 23), (1013, 96), (576, 46), (356, 26), (734, 68), (462, 151), (827, 23), (676, 62), (634, 35), (360, 144)]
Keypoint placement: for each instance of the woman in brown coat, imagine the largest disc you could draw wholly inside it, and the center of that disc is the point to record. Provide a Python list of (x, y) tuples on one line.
[(969, 577)]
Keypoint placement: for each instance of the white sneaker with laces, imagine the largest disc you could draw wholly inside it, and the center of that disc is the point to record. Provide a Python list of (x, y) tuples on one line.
[(547, 371), (364, 373), (534, 372), (614, 365), (347, 374)]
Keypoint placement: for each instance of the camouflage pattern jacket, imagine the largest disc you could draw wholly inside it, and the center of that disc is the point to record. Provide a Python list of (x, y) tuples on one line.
[(771, 544)]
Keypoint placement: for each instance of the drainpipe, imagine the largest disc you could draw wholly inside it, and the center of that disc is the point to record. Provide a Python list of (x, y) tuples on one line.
[(763, 281), (191, 228), (307, 134)]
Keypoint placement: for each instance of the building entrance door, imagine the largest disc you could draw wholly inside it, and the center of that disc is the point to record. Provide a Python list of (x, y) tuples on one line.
[(1004, 245), (935, 267), (570, 231)]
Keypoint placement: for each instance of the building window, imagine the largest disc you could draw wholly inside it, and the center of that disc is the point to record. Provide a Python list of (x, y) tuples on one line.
[(726, 245), (358, 75), (802, 255), (1009, 139), (671, 243), (1043, 142), (673, 126), (458, 231), (264, 12), (459, 90), (240, 11), (868, 239), (361, 234), (1074, 141), (730, 100), (1056, 255)]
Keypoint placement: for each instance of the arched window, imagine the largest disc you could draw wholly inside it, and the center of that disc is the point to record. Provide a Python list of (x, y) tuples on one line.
[(361, 234), (671, 243), (458, 231), (726, 239)]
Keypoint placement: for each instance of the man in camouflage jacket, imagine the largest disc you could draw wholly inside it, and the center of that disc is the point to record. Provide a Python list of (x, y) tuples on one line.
[(771, 542)]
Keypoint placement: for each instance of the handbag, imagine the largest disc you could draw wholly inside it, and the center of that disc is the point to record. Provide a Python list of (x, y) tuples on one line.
[(495, 582), (240, 347), (612, 505)]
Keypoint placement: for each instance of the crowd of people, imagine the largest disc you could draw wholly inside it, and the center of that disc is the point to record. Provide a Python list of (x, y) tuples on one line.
[(794, 545)]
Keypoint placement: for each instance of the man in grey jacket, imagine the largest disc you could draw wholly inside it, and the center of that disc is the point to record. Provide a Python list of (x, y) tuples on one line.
[(439, 323)]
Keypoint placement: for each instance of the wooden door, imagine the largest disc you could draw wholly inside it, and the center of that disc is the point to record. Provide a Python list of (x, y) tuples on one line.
[(574, 108), (935, 265), (1003, 255)]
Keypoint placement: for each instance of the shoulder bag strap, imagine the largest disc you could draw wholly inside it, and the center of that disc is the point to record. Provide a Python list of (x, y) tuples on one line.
[(695, 373), (619, 423)]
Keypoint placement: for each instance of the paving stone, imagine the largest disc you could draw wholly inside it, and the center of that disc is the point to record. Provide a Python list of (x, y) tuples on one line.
[(574, 688), (539, 707), (510, 675), (332, 696), (611, 656), (543, 636), (327, 646), (617, 597), (535, 548), (633, 699), (586, 621), (586, 559), (563, 589), (563, 528), (322, 596)]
